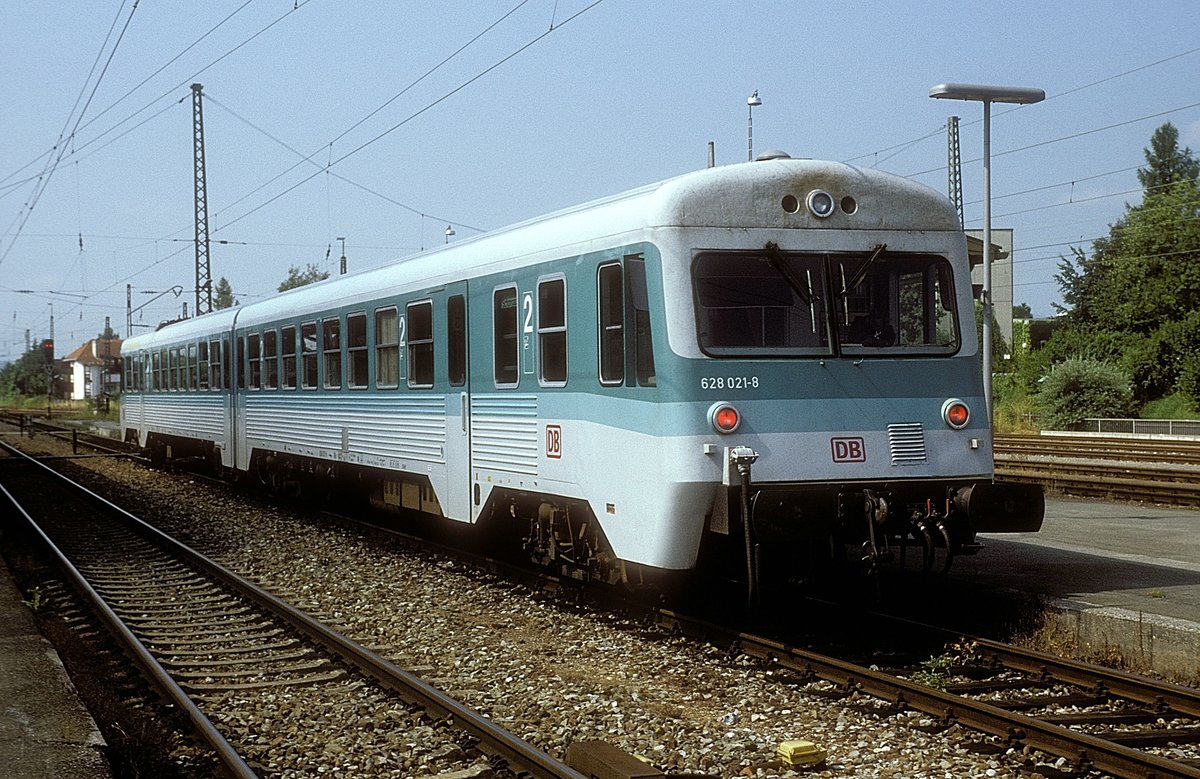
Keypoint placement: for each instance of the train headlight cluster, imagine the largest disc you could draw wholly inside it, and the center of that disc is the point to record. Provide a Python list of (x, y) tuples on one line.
[(956, 413), (724, 418)]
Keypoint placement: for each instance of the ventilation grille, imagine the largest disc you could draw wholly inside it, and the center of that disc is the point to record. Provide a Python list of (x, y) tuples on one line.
[(907, 442)]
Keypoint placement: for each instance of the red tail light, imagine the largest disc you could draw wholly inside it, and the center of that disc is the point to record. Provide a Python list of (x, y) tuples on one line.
[(724, 418), (956, 413)]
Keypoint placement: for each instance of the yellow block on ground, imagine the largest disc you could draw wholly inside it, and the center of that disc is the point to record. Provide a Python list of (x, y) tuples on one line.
[(800, 753)]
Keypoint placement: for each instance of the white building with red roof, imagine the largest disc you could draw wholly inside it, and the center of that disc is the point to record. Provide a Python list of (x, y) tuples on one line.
[(95, 368)]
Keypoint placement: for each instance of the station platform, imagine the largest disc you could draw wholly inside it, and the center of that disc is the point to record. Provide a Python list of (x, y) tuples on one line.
[(1118, 577), (45, 732)]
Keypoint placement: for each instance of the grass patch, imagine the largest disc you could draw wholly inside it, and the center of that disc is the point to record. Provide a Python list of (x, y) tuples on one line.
[(1176, 406)]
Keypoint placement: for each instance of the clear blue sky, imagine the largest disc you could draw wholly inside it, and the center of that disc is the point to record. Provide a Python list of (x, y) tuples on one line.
[(591, 100)]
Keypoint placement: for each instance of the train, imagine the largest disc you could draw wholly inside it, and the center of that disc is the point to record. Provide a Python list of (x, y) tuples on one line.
[(773, 362)]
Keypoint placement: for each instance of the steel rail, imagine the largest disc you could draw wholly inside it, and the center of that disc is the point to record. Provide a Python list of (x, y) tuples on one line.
[(1085, 749), (1122, 684), (1088, 751), (493, 739), (158, 676)]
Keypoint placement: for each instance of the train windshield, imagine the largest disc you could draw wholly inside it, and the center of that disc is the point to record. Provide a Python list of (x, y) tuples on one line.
[(824, 304)]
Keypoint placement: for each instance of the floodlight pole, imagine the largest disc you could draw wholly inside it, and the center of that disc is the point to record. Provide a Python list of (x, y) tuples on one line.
[(751, 101), (987, 95)]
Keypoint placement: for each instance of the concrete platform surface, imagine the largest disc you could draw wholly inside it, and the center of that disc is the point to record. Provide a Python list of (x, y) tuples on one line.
[(1121, 576), (45, 732)]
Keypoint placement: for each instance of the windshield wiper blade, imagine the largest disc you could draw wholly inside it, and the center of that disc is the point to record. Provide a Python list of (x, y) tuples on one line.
[(795, 281), (861, 272)]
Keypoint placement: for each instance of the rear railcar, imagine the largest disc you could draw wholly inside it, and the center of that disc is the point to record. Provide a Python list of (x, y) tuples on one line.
[(177, 399)]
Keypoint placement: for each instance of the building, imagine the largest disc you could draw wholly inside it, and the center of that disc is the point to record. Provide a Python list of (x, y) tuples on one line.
[(1002, 276), (95, 368)]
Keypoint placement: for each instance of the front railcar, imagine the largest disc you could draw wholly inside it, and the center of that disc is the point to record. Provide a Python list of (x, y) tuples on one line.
[(825, 348)]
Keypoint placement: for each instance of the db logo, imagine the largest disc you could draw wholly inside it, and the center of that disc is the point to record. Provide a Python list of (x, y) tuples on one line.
[(554, 441), (848, 450)]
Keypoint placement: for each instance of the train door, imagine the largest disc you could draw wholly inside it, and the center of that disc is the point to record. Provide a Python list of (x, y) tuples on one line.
[(458, 405), (229, 369)]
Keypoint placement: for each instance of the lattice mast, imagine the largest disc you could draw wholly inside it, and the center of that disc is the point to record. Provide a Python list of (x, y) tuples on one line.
[(203, 268), (954, 168)]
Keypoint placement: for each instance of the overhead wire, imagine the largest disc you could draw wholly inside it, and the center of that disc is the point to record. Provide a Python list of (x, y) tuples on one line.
[(309, 158), (174, 89), (386, 132), (429, 106), (44, 181), (326, 168)]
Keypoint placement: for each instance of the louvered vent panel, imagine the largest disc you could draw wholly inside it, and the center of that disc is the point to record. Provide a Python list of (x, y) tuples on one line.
[(907, 442)]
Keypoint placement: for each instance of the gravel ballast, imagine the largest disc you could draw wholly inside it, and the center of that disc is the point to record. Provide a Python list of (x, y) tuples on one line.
[(545, 669)]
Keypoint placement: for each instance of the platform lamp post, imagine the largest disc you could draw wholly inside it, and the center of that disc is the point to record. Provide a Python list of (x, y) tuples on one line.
[(751, 102), (987, 94)]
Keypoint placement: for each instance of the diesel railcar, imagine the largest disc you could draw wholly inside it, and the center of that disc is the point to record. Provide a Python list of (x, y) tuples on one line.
[(776, 356)]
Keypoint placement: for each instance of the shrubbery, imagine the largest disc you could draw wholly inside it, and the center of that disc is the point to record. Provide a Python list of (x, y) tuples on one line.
[(1077, 389)]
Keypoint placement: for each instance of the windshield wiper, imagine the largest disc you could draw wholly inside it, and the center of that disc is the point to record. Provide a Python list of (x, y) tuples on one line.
[(794, 280), (861, 272)]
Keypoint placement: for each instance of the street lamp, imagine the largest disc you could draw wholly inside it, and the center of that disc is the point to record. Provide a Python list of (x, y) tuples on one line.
[(987, 94), (751, 101), (449, 233)]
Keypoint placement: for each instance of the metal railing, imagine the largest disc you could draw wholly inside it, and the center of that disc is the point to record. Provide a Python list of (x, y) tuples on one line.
[(1180, 427)]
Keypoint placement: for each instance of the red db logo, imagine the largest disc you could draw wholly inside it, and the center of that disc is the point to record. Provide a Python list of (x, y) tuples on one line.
[(554, 441), (848, 450)]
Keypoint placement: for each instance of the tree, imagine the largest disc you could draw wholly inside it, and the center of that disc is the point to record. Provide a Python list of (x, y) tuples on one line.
[(298, 278), (1128, 301), (25, 376), (1022, 311), (223, 295), (1166, 164)]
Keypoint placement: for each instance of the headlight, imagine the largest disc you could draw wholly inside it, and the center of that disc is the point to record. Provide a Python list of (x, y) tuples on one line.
[(820, 203)]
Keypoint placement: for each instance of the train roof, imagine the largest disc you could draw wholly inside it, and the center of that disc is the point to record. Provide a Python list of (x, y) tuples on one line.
[(746, 195)]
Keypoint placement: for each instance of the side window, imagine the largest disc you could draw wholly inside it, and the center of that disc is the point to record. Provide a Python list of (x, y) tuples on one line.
[(456, 350), (504, 337), (287, 347), (356, 349), (217, 376), (254, 355), (270, 363), (387, 348), (611, 323), (331, 332), (176, 368), (419, 317), (639, 314), (156, 371), (202, 365), (193, 367), (308, 355), (552, 331)]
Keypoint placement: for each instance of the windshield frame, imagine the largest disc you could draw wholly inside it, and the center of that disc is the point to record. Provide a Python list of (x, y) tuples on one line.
[(733, 276)]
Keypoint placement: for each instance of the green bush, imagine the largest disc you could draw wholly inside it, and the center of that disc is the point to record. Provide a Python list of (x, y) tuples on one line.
[(1175, 406), (1014, 409), (1076, 389)]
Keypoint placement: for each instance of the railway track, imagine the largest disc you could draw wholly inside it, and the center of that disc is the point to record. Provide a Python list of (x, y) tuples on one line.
[(236, 659), (1096, 719), (1154, 470)]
